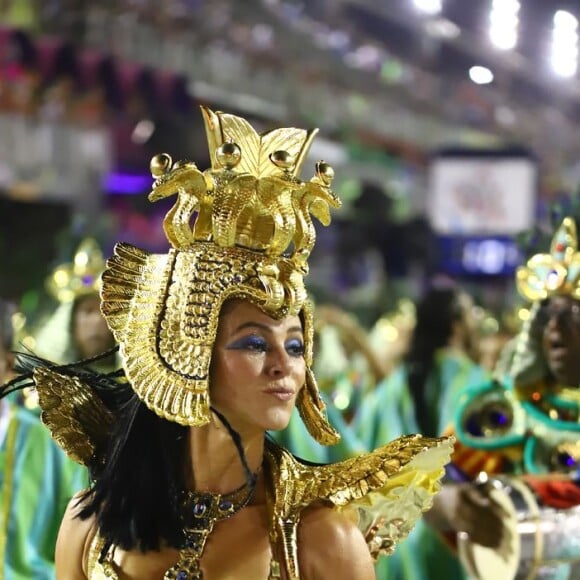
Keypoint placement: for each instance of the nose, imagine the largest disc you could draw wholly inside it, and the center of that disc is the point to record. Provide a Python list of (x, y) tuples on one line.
[(279, 362), (557, 318)]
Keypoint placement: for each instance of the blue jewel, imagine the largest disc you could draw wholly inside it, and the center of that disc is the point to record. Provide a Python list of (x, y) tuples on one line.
[(226, 505), (472, 426), (181, 576), (499, 419), (199, 509), (566, 459)]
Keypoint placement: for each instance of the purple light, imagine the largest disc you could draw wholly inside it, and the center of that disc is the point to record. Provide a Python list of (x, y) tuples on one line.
[(127, 183)]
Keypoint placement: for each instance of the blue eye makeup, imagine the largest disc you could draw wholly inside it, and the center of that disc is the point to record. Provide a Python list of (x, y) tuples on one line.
[(295, 347), (252, 342)]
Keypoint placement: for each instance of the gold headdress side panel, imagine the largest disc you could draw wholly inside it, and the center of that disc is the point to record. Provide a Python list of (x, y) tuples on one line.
[(558, 272), (251, 238)]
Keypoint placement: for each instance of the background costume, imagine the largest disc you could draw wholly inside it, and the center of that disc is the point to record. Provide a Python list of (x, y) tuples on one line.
[(389, 412), (524, 423), (36, 482)]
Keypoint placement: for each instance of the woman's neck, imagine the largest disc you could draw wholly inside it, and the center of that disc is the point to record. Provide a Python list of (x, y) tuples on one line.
[(214, 462)]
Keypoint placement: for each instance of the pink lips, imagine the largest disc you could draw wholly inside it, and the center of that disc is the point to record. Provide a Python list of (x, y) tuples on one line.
[(280, 393)]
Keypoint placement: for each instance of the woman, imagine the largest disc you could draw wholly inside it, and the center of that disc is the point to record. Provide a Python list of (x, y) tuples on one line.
[(420, 397), (76, 329), (258, 368), (216, 343)]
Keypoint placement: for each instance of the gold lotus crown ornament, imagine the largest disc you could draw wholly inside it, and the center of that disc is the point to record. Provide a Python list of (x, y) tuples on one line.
[(558, 272), (251, 236), (80, 277)]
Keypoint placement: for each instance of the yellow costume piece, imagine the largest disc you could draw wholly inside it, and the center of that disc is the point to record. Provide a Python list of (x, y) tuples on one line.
[(251, 236)]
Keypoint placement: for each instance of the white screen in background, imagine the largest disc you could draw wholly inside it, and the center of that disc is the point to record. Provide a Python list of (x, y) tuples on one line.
[(482, 195)]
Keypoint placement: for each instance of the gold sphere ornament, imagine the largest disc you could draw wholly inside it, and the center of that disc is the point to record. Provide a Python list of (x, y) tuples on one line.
[(282, 159), (160, 165), (324, 172), (228, 155)]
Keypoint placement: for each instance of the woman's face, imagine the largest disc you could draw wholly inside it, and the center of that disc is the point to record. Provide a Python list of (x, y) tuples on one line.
[(91, 333), (257, 367)]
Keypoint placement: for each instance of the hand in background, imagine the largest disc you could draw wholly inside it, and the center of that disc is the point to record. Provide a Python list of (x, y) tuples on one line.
[(467, 508)]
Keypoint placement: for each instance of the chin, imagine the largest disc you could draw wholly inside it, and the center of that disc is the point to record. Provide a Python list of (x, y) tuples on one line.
[(277, 420)]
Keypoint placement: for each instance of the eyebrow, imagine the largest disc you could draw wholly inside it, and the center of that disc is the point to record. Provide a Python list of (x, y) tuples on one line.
[(264, 327)]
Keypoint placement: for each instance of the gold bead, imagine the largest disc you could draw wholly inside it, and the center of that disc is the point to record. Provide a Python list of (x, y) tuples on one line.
[(324, 172), (160, 164), (183, 163), (228, 155), (282, 159)]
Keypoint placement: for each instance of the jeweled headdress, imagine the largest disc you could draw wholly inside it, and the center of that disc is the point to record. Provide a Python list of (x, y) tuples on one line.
[(251, 238), (80, 277), (558, 272)]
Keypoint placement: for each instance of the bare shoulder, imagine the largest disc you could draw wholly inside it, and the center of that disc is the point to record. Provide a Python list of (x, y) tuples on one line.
[(331, 545), (74, 537)]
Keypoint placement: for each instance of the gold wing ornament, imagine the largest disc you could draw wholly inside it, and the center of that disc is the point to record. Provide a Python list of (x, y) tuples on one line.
[(384, 491), (76, 417)]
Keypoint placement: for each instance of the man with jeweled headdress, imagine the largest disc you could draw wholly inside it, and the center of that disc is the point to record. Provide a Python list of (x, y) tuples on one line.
[(527, 422), (215, 339)]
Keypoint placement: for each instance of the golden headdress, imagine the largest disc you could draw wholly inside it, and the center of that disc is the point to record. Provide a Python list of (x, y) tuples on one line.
[(251, 238), (80, 277), (555, 273)]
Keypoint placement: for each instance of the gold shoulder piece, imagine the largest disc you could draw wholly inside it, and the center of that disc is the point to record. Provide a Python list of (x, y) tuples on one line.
[(77, 419), (387, 490)]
